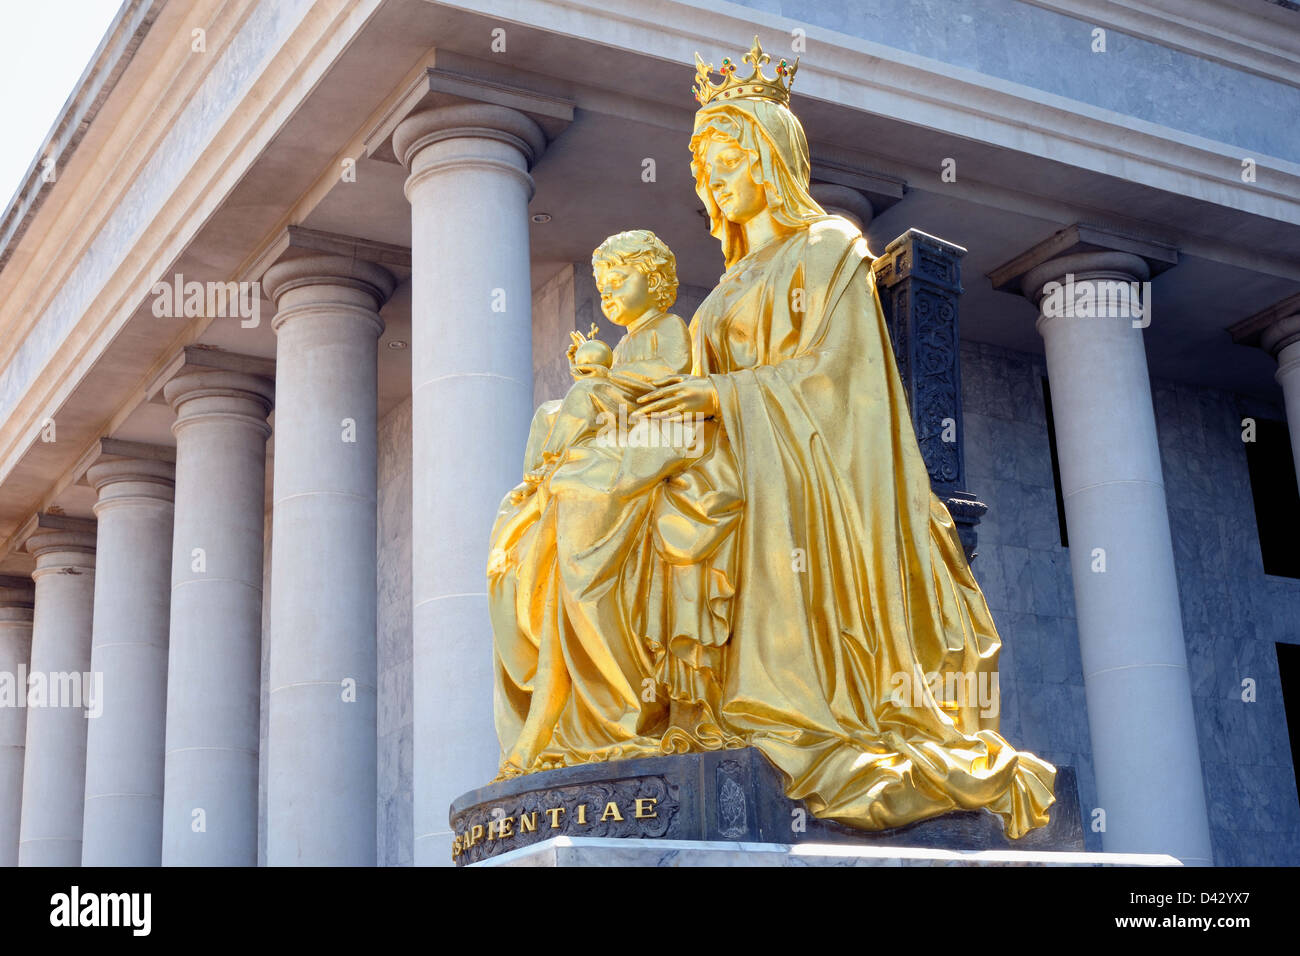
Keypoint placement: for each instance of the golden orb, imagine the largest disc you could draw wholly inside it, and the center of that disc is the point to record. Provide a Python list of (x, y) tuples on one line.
[(594, 352)]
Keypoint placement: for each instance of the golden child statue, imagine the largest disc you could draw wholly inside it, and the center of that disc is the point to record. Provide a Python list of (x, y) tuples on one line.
[(790, 582), (637, 278)]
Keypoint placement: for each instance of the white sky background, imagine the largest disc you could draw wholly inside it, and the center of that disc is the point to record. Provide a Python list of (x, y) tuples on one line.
[(44, 47)]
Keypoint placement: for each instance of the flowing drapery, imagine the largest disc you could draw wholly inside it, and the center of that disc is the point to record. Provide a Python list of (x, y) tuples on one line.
[(790, 582)]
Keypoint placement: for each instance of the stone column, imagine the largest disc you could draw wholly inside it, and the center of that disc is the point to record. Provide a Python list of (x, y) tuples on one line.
[(214, 664), (844, 201), (16, 601), (1282, 341), (321, 763), (124, 747), (54, 768), (1144, 743), (472, 390)]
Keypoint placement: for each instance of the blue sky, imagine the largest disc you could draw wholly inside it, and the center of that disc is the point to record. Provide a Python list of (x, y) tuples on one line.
[(44, 47)]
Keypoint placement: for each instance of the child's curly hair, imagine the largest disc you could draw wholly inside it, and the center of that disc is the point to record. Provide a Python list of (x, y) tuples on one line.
[(645, 251)]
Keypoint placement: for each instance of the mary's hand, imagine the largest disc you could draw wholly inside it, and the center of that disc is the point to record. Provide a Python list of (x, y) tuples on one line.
[(680, 395)]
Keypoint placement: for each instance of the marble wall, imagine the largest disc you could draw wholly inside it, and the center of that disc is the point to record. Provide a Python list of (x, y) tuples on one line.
[(1233, 617), (1232, 612), (553, 320), (396, 721), (1020, 564)]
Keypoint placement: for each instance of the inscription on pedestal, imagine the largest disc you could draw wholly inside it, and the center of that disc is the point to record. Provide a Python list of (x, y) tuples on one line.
[(637, 807), (727, 795)]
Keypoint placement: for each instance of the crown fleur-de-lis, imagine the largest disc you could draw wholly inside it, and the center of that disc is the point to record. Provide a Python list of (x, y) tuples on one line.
[(754, 86)]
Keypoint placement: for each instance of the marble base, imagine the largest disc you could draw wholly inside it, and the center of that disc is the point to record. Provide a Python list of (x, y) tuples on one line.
[(613, 851), (727, 797)]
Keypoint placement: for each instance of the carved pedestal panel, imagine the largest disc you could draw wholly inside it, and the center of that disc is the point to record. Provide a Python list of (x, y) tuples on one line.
[(728, 795), (919, 280)]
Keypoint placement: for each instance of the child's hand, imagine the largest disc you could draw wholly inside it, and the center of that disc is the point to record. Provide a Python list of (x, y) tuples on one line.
[(582, 370), (588, 371), (577, 339)]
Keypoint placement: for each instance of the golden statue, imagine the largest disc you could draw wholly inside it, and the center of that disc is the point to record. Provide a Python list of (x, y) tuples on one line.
[(782, 577)]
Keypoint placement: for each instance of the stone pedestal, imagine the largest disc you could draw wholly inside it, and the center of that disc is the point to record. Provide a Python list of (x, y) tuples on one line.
[(919, 281), (731, 795), (603, 851)]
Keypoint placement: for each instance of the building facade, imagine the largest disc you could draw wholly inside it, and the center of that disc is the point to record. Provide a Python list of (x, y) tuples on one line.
[(280, 295)]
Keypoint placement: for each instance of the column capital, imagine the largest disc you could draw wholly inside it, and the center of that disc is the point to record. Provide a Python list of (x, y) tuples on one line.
[(1272, 329), (1281, 335), (848, 185), (17, 595), (432, 142), (62, 545), (1083, 250), (326, 279), (844, 201), (131, 479), (468, 120), (206, 394), (455, 81), (1084, 266)]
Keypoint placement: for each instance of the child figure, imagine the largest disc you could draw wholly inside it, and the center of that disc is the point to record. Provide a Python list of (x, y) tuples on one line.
[(637, 278)]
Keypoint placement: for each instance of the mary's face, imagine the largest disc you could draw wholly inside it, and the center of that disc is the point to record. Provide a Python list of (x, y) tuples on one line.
[(730, 181)]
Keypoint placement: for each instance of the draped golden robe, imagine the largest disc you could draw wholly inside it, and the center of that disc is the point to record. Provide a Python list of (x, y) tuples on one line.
[(788, 578), (814, 400), (790, 581)]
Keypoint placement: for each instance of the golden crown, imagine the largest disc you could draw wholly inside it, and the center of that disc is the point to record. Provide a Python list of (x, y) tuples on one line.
[(755, 86)]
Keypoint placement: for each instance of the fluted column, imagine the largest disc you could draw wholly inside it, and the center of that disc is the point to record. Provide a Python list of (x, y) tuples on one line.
[(472, 387), (1139, 700), (54, 768), (321, 763), (210, 774), (1282, 341), (16, 601), (124, 747)]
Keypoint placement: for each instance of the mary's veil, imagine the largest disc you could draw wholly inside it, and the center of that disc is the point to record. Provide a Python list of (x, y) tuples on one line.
[(778, 150)]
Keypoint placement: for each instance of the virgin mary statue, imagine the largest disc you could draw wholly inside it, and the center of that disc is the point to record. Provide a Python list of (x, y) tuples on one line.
[(786, 580)]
